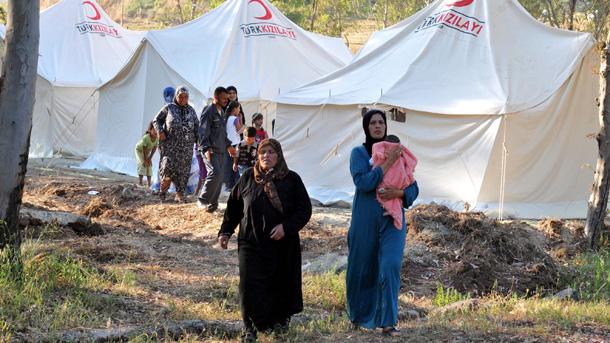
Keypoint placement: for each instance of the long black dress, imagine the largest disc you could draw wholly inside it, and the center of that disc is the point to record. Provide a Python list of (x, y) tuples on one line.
[(269, 270)]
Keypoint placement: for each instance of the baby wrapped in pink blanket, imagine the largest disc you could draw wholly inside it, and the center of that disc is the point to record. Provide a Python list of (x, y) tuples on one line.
[(400, 175)]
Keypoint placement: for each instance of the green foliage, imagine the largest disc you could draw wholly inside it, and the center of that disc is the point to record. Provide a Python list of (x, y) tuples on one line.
[(397, 10), (326, 291), (135, 7), (2, 14), (56, 291), (449, 296), (592, 278)]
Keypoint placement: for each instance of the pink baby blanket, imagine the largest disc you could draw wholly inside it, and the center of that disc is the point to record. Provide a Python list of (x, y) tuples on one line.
[(400, 175)]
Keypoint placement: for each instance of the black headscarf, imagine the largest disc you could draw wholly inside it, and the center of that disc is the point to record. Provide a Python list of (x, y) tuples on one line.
[(366, 120)]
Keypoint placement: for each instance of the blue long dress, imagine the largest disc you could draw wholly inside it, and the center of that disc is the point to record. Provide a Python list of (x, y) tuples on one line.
[(375, 249)]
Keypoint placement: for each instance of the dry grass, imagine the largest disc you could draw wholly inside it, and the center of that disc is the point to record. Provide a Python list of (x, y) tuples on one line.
[(161, 264)]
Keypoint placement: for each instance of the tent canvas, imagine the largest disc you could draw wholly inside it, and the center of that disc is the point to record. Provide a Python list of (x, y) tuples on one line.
[(496, 106), (80, 49), (248, 44)]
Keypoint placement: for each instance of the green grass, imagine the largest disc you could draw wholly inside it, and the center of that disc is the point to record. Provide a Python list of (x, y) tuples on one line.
[(448, 296), (60, 291), (592, 277), (56, 291)]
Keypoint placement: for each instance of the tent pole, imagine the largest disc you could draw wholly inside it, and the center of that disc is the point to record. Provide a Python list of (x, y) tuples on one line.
[(503, 170)]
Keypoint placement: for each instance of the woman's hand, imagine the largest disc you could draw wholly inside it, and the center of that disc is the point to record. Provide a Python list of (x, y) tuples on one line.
[(392, 156), (208, 155), (390, 192), (223, 240), (278, 232), (162, 136)]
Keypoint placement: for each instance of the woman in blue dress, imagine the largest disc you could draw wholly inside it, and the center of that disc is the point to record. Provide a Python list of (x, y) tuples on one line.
[(375, 245)]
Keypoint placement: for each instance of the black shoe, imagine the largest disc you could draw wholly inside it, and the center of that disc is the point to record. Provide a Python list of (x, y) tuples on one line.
[(391, 331), (211, 209), (249, 336), (162, 196)]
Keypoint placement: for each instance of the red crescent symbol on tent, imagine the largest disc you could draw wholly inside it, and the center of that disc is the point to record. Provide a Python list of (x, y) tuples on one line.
[(267, 14), (97, 13), (461, 3)]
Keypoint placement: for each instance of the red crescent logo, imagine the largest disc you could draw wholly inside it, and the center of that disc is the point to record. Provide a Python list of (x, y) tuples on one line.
[(268, 13), (98, 16), (461, 3)]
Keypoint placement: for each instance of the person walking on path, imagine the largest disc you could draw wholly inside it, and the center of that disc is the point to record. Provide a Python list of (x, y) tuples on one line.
[(177, 126), (213, 144), (375, 246), (145, 149), (271, 205)]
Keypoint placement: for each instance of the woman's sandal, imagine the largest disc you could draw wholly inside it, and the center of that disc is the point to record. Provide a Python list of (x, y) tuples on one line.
[(391, 331), (162, 196), (249, 336), (354, 327)]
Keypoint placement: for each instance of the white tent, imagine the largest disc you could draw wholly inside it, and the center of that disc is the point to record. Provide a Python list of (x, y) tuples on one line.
[(247, 44), (497, 107), (80, 49)]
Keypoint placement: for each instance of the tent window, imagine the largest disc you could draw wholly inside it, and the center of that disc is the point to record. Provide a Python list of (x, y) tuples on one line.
[(397, 115), (393, 114)]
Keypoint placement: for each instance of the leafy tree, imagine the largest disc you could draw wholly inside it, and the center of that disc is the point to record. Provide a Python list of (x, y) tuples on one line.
[(390, 12), (2, 14)]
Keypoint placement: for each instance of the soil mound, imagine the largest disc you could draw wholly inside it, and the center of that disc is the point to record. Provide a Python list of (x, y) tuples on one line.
[(482, 254)]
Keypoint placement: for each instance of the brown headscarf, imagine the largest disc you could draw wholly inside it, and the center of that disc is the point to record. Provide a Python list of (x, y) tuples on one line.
[(266, 177)]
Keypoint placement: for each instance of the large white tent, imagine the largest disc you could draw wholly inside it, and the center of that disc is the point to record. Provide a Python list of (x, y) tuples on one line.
[(497, 107), (80, 49), (248, 44)]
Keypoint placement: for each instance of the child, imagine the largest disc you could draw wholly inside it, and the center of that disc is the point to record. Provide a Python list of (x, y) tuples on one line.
[(246, 151), (145, 149), (234, 127), (399, 176), (257, 121)]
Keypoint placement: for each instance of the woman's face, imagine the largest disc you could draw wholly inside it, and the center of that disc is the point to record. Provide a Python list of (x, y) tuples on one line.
[(268, 157), (183, 99), (377, 126), (232, 95)]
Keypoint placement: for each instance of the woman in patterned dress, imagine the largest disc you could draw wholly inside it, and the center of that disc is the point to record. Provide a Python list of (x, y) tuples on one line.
[(177, 125)]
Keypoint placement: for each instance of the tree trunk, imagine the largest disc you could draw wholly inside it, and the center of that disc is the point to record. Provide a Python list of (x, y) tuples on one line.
[(314, 11), (193, 8), (17, 91), (385, 15), (599, 198), (571, 14), (552, 16), (180, 11)]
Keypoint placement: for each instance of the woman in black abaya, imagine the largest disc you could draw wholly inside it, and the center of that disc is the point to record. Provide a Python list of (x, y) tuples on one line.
[(271, 205)]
